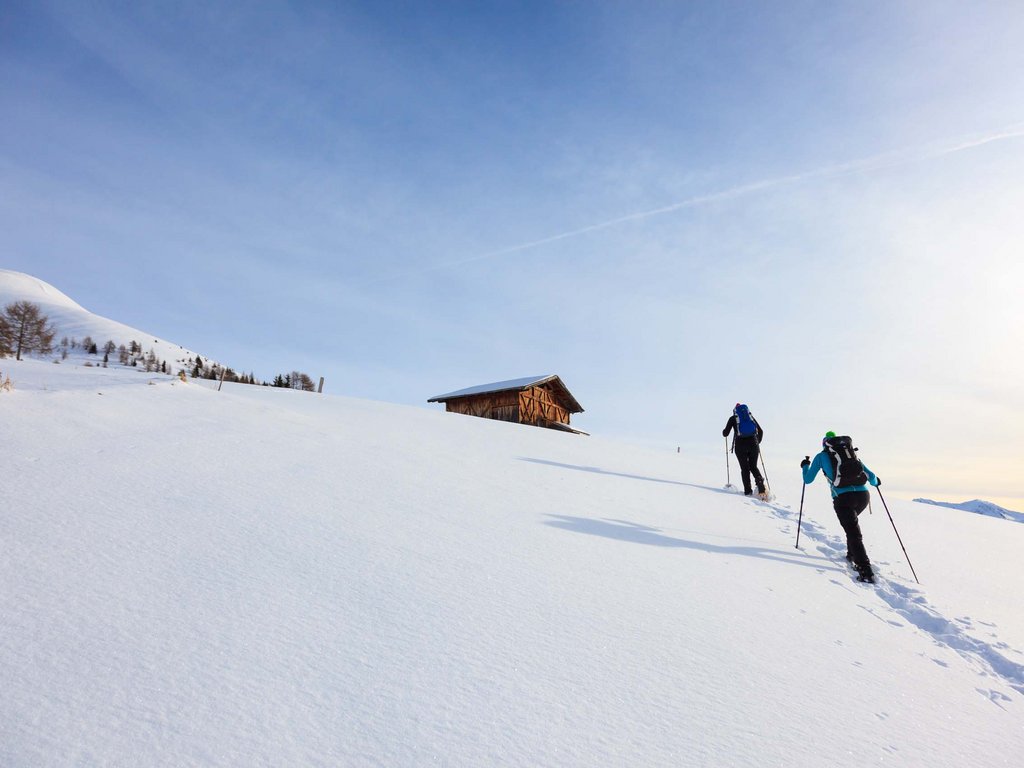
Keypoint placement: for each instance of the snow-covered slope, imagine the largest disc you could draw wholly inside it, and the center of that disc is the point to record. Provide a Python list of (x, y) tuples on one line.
[(266, 577), (978, 507), (75, 322)]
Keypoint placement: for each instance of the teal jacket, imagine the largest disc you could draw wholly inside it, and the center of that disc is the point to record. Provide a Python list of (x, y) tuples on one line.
[(824, 463)]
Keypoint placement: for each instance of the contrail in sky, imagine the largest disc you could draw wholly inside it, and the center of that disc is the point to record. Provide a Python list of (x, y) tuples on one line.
[(873, 163)]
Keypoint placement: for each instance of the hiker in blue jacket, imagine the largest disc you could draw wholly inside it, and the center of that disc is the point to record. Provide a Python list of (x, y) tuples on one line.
[(745, 445), (848, 501)]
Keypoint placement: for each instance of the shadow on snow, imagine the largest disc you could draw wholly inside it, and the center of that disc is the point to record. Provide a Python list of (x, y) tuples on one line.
[(903, 600), (622, 530), (599, 471)]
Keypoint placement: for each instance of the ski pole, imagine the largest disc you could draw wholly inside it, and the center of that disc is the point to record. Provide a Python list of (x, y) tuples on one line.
[(897, 534), (801, 518), (763, 467), (728, 479)]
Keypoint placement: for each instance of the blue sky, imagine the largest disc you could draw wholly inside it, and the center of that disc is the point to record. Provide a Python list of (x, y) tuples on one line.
[(810, 207)]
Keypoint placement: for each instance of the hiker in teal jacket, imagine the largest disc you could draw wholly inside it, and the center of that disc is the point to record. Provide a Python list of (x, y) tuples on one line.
[(824, 463), (848, 502)]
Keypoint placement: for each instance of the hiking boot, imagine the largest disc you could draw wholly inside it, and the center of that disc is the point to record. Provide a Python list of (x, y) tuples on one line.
[(864, 573), (748, 493)]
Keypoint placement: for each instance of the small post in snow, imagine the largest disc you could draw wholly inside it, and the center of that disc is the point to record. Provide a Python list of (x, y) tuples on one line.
[(222, 372), (321, 387)]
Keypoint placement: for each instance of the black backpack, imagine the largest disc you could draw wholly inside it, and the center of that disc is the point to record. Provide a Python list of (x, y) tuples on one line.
[(847, 469)]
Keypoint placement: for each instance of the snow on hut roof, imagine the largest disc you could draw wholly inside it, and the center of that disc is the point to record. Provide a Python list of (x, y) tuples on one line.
[(513, 384)]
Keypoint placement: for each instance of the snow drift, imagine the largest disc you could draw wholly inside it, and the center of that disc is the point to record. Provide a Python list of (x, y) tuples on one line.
[(978, 507)]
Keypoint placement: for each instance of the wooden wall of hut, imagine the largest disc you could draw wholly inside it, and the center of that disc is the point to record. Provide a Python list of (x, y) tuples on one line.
[(537, 406), (502, 406)]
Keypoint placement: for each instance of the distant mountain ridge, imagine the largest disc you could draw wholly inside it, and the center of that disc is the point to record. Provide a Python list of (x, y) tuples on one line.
[(74, 321), (978, 507)]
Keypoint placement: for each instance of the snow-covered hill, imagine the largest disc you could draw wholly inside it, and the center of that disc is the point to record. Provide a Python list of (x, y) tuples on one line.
[(264, 577), (978, 507), (75, 322)]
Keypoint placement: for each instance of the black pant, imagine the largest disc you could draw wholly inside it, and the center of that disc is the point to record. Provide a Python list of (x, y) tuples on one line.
[(746, 454), (848, 507)]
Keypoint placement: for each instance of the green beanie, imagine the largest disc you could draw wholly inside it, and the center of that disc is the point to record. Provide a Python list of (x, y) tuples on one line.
[(830, 433)]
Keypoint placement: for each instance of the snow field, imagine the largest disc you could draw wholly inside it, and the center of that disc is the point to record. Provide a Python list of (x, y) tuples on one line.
[(268, 577)]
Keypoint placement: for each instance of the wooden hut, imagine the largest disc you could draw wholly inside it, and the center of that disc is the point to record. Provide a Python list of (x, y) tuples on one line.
[(543, 401)]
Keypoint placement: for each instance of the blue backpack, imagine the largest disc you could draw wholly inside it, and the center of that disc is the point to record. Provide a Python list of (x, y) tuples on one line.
[(745, 426)]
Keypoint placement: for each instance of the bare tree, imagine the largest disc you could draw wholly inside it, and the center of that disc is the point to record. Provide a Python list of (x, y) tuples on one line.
[(24, 328), (301, 381)]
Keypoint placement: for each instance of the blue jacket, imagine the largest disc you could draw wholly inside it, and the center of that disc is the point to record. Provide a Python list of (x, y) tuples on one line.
[(824, 463)]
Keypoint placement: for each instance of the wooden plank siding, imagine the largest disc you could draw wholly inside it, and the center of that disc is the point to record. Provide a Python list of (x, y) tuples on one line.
[(537, 406), (503, 406)]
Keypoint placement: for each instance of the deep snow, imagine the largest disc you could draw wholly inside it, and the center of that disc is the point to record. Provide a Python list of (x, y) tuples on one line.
[(269, 577)]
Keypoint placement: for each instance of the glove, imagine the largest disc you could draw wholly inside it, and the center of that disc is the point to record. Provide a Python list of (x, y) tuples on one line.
[(878, 481), (805, 463)]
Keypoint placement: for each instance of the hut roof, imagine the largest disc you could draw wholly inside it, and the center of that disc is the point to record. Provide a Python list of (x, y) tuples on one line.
[(518, 385)]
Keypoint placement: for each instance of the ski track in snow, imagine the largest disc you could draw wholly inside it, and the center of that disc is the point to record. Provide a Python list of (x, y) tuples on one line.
[(910, 603)]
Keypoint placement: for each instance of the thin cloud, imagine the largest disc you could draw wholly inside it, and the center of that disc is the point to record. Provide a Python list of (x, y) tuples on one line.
[(866, 164)]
